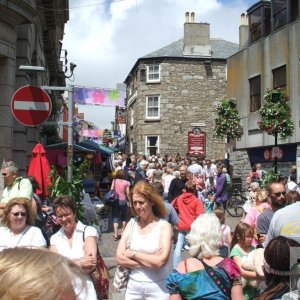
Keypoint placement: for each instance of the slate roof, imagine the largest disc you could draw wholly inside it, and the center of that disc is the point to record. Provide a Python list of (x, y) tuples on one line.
[(221, 49)]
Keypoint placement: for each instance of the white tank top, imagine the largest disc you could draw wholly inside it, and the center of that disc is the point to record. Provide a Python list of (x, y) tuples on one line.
[(148, 243), (225, 232)]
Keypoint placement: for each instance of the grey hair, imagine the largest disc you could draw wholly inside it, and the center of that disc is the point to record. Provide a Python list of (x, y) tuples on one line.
[(205, 236), (11, 166)]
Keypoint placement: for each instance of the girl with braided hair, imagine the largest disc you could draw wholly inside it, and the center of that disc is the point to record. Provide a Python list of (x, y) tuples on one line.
[(277, 268)]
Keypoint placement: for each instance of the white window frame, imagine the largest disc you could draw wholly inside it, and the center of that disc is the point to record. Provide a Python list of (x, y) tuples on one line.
[(131, 146), (158, 107), (147, 144), (131, 117), (151, 71)]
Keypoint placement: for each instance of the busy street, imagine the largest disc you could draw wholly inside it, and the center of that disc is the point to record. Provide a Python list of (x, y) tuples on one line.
[(149, 150)]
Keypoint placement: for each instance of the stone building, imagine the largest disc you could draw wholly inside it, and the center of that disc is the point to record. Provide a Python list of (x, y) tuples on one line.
[(175, 89), (31, 32), (268, 58)]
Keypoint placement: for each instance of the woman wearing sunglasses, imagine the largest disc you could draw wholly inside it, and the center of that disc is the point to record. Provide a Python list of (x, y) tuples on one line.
[(17, 230)]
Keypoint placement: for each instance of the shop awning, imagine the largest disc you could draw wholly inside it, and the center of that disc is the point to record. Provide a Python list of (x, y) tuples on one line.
[(96, 147), (64, 146)]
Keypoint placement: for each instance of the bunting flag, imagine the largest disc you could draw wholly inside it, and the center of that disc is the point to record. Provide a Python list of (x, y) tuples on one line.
[(91, 132), (96, 96)]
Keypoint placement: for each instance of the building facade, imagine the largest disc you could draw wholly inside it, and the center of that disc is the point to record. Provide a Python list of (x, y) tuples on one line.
[(268, 59), (176, 89), (31, 32)]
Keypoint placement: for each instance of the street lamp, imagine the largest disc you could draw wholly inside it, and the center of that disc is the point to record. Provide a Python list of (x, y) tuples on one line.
[(30, 70)]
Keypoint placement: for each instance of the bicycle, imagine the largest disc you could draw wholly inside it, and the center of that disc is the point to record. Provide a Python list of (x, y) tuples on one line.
[(234, 205)]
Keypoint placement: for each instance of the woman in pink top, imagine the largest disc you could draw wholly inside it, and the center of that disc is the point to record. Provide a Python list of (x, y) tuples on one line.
[(120, 209), (260, 205)]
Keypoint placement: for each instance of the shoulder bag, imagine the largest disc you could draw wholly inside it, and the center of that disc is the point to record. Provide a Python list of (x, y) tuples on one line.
[(111, 197), (100, 276), (217, 279), (122, 274)]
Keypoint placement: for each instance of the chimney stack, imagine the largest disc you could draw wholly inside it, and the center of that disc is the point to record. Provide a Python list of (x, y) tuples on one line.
[(244, 32), (196, 37)]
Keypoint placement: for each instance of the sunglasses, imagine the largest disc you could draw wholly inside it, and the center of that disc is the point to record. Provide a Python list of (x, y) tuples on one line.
[(16, 214), (4, 174), (279, 193), (61, 216)]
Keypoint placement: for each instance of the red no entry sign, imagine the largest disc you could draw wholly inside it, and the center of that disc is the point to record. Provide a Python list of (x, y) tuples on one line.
[(31, 105)]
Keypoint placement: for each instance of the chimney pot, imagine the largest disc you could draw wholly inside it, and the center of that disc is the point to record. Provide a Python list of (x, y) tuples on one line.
[(187, 17), (242, 19), (192, 17)]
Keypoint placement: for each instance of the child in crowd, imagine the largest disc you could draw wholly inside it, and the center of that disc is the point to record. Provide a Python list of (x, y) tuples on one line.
[(241, 247), (226, 232), (251, 201), (261, 204), (200, 184)]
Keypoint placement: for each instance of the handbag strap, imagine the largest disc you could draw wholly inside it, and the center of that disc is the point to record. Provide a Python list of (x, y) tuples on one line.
[(129, 237), (23, 233), (219, 281), (83, 235)]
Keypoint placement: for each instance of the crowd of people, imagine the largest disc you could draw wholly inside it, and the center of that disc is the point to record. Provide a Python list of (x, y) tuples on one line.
[(161, 202), (223, 265)]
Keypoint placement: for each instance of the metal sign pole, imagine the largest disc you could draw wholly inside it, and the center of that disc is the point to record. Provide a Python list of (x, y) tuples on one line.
[(70, 90), (70, 133)]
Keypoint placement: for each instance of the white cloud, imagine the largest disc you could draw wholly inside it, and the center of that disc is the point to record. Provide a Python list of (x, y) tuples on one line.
[(106, 40)]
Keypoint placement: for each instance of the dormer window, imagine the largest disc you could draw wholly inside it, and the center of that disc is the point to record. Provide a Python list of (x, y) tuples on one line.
[(260, 20), (294, 9), (255, 25), (279, 8)]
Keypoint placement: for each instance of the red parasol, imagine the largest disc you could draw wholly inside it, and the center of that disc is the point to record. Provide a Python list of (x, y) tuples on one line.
[(39, 168)]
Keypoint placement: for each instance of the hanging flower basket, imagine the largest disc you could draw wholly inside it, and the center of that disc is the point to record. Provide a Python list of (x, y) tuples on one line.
[(276, 114), (228, 121)]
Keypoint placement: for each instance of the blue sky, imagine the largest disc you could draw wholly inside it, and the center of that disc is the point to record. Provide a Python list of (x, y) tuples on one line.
[(105, 38)]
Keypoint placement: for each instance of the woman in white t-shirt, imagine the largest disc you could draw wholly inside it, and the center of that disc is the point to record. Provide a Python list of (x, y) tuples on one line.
[(18, 230), (75, 240)]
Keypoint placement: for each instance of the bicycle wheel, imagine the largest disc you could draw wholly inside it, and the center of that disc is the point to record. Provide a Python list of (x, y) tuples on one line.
[(233, 206)]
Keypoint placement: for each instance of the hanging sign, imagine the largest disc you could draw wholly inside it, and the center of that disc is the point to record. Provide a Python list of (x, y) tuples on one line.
[(197, 143)]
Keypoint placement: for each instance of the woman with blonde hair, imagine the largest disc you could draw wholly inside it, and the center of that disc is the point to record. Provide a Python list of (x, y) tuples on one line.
[(35, 274), (18, 230), (150, 246), (205, 275)]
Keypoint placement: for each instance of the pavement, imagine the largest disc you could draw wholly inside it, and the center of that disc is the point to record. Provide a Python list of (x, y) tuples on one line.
[(108, 247)]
